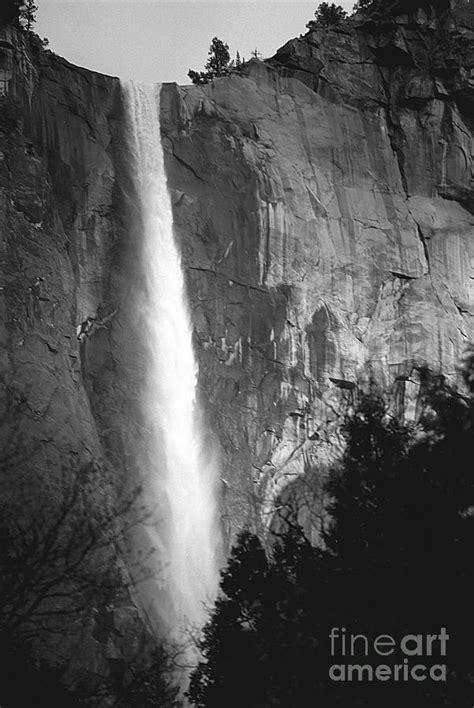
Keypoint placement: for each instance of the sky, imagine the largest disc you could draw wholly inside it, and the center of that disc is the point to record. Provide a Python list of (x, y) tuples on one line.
[(156, 41)]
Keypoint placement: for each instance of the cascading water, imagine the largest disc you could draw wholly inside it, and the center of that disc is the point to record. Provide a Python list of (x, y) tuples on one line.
[(180, 479)]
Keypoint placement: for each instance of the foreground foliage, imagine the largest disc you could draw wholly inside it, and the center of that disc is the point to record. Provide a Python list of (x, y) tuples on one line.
[(62, 541), (396, 559), (60, 567)]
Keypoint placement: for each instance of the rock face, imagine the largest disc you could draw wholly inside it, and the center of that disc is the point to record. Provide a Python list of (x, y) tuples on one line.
[(323, 201), (59, 230), (57, 182)]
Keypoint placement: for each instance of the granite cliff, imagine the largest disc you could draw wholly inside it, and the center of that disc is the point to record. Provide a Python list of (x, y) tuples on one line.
[(323, 201)]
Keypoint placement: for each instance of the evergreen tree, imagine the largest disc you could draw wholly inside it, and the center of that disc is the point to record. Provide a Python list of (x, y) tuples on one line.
[(219, 58), (218, 63), (28, 12), (390, 8), (327, 15), (18, 13), (396, 560)]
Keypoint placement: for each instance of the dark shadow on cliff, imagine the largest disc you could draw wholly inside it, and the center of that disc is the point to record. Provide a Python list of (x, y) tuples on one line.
[(62, 575)]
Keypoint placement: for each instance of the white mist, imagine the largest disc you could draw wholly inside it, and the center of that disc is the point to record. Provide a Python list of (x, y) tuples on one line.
[(180, 482)]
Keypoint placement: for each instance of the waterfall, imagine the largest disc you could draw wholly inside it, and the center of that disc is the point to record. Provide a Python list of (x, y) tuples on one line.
[(178, 470)]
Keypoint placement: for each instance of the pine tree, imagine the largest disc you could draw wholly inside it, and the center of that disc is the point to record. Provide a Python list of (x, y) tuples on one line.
[(397, 560), (18, 13), (218, 63), (390, 8), (28, 12), (327, 15)]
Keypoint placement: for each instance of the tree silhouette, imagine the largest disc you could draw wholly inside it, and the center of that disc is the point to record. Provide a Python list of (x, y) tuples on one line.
[(18, 13), (391, 8), (396, 560), (28, 12), (63, 541), (327, 15), (218, 63)]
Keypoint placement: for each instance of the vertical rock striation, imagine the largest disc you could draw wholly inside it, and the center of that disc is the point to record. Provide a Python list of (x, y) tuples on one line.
[(324, 200), (61, 286)]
